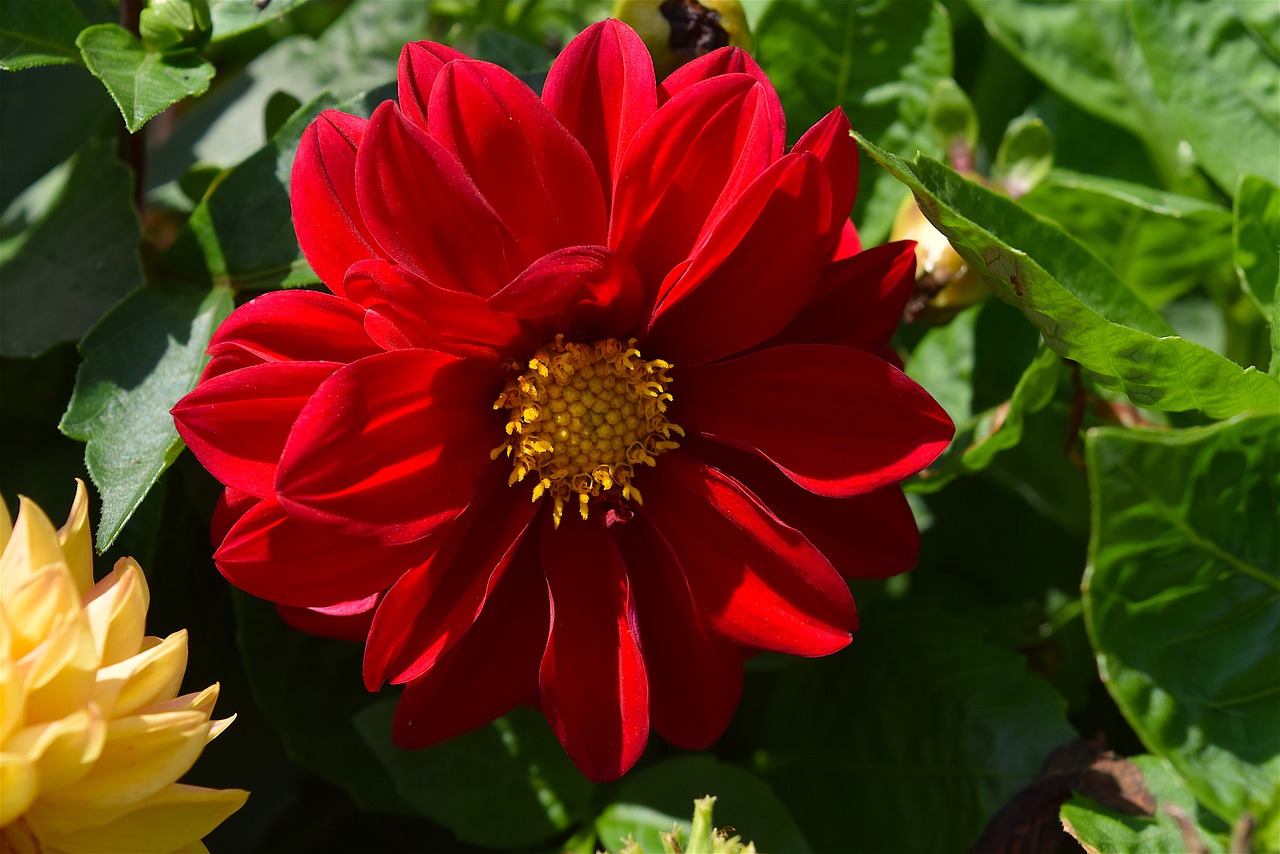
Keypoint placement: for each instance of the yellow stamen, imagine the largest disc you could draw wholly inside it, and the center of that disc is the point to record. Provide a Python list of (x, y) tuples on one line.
[(582, 417)]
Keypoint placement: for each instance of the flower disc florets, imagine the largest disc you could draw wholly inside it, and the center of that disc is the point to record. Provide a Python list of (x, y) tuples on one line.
[(583, 416)]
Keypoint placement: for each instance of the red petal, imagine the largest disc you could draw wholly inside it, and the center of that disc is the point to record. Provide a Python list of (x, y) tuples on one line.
[(347, 621), (586, 288), (272, 556), (830, 141), (858, 301), (694, 156), (835, 420), (759, 582), (730, 60), (322, 193), (420, 64), (752, 273), (873, 535), (595, 693), (390, 447), (236, 424), (695, 676), (432, 606), (290, 326), (602, 89), (425, 211), (530, 168), (232, 504), (492, 669), (431, 317)]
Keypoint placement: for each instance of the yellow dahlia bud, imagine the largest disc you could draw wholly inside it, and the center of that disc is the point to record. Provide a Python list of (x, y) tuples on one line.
[(93, 734), (677, 31), (945, 284)]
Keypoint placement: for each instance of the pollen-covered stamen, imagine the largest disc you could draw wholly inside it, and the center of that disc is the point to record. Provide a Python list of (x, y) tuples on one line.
[(582, 417)]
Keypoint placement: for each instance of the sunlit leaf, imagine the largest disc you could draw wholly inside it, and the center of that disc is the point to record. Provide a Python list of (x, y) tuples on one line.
[(1255, 233), (1182, 600)]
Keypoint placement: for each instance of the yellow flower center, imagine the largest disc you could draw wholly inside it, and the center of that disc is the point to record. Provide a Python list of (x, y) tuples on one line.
[(582, 417)]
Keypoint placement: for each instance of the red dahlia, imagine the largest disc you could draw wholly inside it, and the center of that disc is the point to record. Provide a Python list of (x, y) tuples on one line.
[(600, 401)]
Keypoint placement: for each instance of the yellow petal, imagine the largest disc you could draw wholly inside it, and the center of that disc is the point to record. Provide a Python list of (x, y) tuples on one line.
[(6, 525), (33, 544), (59, 673), (45, 597), (173, 819), (17, 786), (117, 608), (77, 540), (150, 677), (62, 751), (142, 754), (12, 702)]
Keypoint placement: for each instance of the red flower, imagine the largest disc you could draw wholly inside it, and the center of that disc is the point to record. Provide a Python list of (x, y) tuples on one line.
[(624, 301)]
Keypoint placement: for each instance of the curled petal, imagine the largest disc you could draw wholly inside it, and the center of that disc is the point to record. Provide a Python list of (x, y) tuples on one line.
[(582, 287), (420, 64), (602, 90), (532, 171), (426, 212), (508, 638), (689, 161), (347, 621), (838, 421), (730, 60), (432, 607), (831, 142), (322, 193), (270, 555), (390, 447), (738, 288), (289, 326), (237, 423), (760, 582), (595, 692), (695, 676)]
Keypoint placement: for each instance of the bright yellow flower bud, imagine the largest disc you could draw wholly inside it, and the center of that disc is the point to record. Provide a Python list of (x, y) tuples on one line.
[(93, 734)]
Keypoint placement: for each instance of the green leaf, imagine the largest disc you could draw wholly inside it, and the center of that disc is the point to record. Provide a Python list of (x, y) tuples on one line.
[(509, 784), (1220, 84), (1024, 158), (920, 717), (141, 82), (139, 360), (1085, 52), (74, 258), (1084, 312), (1103, 829), (233, 17), (878, 60), (651, 800), (1160, 244), (1255, 235), (1182, 602), (44, 33), (308, 688)]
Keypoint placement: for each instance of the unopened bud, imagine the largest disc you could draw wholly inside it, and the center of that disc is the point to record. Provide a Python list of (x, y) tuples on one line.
[(169, 26)]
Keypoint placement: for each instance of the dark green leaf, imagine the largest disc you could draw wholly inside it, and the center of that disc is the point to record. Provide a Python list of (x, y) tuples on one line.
[(1103, 829), (1085, 51), (509, 784), (1084, 312), (141, 82), (650, 801), (308, 688), (1160, 244), (139, 359), (233, 17), (78, 252), (43, 33), (1219, 81), (879, 60), (1256, 236), (1182, 600), (920, 717)]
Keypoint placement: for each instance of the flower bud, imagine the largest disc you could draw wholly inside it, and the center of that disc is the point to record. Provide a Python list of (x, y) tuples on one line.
[(945, 284), (678, 31), (176, 25)]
